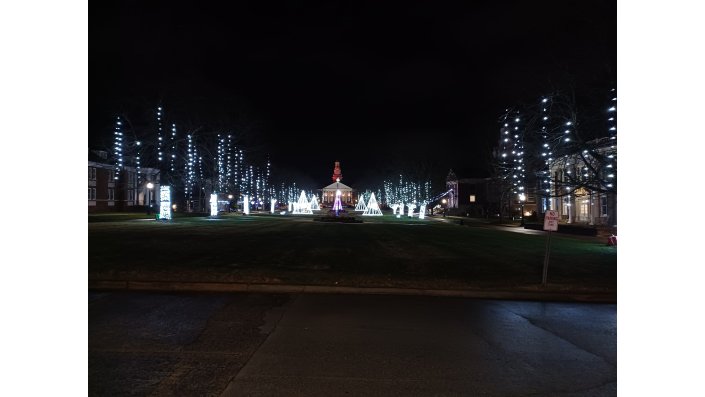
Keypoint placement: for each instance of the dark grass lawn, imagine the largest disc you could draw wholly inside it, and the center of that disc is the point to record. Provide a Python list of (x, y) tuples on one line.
[(380, 251)]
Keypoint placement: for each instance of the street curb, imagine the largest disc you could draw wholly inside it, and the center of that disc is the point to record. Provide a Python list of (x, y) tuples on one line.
[(176, 286)]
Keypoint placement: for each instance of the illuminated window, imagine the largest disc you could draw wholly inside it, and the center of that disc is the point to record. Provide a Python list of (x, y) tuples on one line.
[(472, 198), (111, 194), (91, 193), (91, 173)]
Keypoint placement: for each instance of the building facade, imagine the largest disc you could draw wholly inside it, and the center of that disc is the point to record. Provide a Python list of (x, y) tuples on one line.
[(475, 197), (127, 193), (347, 194), (582, 205)]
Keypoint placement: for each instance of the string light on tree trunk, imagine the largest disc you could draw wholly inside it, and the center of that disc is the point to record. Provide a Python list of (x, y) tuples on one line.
[(138, 166), (189, 168), (117, 147), (214, 204), (172, 157), (411, 210), (160, 136)]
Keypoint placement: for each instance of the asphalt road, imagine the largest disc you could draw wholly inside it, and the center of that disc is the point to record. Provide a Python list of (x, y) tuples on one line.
[(160, 344)]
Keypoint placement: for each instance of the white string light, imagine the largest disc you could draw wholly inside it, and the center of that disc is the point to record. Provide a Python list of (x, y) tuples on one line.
[(117, 147), (160, 138)]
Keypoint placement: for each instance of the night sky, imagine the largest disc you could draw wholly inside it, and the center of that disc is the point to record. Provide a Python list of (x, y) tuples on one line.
[(377, 87)]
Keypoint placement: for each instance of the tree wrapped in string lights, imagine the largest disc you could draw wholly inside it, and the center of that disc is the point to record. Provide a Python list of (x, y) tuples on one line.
[(406, 190), (560, 158), (194, 164), (118, 140)]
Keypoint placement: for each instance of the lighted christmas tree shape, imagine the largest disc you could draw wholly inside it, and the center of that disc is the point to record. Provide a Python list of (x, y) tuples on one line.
[(361, 206), (314, 203), (337, 206), (302, 207), (411, 209), (372, 207)]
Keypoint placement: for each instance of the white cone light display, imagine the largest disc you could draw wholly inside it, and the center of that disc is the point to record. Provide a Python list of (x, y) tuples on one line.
[(246, 206), (361, 206), (272, 202), (372, 207), (303, 207), (411, 209), (422, 211), (314, 203)]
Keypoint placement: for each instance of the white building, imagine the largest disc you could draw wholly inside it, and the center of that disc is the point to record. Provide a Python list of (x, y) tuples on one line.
[(347, 194)]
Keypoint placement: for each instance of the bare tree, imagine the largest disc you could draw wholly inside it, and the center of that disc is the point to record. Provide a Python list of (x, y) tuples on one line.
[(554, 149)]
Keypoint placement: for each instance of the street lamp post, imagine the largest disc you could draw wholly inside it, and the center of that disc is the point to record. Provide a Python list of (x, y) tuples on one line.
[(522, 197), (150, 186)]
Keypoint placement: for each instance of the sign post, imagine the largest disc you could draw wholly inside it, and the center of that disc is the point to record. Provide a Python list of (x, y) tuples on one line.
[(550, 223)]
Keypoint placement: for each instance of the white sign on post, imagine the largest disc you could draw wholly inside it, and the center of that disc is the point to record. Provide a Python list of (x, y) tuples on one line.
[(165, 202), (550, 221)]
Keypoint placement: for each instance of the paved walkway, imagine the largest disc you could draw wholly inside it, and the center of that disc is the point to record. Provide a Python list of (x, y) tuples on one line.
[(260, 344)]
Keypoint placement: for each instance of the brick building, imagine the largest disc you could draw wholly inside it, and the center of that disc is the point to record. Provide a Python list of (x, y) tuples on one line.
[(128, 193)]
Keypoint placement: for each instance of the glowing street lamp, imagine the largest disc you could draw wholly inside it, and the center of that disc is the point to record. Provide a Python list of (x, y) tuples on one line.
[(150, 186)]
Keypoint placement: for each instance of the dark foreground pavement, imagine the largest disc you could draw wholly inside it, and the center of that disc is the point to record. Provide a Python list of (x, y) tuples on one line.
[(256, 344)]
